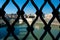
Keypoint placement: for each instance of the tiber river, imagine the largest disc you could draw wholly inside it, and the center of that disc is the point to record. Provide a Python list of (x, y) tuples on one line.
[(20, 31)]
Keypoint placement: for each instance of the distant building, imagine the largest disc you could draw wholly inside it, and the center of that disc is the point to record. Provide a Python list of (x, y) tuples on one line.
[(48, 16), (12, 17)]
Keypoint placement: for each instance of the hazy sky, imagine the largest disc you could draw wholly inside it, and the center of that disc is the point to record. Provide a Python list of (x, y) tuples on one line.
[(10, 8)]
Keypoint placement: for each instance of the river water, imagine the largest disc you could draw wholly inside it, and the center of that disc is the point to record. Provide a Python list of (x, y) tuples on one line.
[(20, 32)]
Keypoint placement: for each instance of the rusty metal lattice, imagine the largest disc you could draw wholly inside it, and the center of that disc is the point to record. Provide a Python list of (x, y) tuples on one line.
[(30, 28)]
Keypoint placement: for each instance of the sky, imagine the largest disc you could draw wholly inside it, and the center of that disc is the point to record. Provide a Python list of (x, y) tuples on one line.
[(29, 9)]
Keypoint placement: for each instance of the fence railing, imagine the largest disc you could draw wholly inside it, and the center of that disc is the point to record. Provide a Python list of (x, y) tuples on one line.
[(30, 28)]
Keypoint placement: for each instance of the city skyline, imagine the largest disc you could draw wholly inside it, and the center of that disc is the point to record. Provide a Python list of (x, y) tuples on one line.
[(29, 8)]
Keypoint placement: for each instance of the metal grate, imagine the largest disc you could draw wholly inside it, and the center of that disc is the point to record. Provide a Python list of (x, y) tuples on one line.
[(30, 28)]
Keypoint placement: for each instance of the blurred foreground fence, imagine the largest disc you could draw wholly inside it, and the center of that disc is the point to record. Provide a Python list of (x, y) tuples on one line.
[(30, 28)]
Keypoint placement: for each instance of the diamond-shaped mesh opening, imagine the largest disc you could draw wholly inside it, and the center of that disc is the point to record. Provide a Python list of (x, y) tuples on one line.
[(38, 28), (20, 30), (30, 13), (10, 8), (38, 24), (55, 27), (47, 12), (11, 15)]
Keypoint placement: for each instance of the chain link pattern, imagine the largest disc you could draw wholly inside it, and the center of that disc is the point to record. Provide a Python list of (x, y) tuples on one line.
[(30, 28)]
